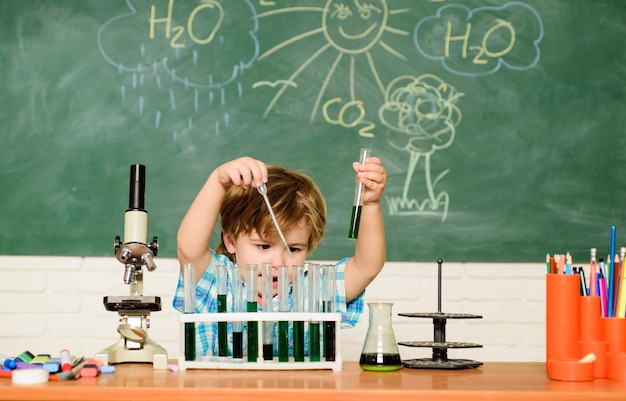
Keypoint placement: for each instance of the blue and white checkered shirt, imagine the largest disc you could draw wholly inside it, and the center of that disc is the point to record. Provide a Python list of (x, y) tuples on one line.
[(206, 302)]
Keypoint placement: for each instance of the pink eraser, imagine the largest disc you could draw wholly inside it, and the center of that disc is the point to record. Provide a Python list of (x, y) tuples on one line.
[(89, 370)]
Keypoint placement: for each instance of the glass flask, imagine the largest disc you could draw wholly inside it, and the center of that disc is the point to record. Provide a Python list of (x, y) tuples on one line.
[(380, 351)]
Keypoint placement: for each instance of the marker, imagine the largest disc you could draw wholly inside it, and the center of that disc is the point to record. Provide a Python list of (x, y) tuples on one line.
[(6, 362), (66, 363)]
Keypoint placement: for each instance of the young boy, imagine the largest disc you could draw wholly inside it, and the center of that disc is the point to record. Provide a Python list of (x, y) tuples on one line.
[(248, 234)]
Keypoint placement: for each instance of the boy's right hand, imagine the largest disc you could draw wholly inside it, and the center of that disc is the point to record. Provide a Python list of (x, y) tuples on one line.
[(243, 172)]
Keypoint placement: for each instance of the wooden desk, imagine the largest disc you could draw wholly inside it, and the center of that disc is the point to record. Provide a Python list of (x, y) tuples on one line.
[(493, 381)]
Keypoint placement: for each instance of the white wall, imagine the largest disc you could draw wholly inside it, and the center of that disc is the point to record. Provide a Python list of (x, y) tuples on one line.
[(51, 303)]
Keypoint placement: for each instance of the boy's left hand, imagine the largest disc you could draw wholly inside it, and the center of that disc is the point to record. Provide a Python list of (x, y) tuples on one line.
[(374, 178)]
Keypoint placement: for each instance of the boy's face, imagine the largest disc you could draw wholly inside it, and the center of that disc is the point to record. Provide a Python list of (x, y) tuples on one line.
[(251, 249)]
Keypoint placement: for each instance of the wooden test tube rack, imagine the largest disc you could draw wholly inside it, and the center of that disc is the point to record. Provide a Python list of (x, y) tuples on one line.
[(217, 362)]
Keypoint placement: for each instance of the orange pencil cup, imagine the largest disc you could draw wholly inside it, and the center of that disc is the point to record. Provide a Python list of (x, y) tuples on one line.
[(590, 319), (614, 331), (562, 317)]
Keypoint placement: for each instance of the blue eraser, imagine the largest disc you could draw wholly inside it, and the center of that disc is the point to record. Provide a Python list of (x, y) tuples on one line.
[(107, 369), (53, 365)]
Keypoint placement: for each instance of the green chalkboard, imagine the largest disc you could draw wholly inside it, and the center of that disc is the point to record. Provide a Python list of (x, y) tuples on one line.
[(501, 123)]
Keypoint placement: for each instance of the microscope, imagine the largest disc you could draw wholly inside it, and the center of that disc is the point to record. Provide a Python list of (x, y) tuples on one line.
[(134, 310)]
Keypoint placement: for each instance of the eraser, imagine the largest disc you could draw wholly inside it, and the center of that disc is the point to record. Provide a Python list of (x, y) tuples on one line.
[(89, 370), (30, 376), (172, 368), (96, 362), (107, 369)]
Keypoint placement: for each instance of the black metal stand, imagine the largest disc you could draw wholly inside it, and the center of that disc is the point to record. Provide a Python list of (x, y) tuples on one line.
[(440, 346)]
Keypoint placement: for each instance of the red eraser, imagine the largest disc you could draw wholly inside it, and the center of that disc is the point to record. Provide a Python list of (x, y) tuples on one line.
[(89, 370), (96, 362)]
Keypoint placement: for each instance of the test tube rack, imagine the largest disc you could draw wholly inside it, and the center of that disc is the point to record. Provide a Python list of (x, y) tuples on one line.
[(217, 362), (440, 346)]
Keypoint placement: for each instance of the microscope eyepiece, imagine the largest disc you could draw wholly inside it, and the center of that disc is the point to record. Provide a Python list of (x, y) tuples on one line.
[(137, 187)]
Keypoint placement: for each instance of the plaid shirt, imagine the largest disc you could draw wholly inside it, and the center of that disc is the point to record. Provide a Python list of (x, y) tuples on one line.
[(206, 302)]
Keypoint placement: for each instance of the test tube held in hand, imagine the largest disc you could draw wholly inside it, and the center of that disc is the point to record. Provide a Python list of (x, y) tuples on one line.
[(222, 327), (355, 220), (314, 307), (267, 282), (298, 306), (252, 305), (189, 282), (237, 307), (283, 306)]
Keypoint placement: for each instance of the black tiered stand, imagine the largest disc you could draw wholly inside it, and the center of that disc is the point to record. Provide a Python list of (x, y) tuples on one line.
[(440, 347)]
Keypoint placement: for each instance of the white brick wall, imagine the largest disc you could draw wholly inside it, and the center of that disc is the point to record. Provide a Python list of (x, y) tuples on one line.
[(51, 303)]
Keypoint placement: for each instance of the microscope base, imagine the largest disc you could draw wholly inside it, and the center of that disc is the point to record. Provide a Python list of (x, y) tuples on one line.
[(150, 352)]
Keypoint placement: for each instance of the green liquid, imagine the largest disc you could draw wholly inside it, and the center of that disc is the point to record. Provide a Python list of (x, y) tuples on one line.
[(268, 352), (237, 344), (380, 362), (253, 334), (222, 328), (298, 341), (190, 341), (355, 222), (329, 341), (283, 341), (314, 341)]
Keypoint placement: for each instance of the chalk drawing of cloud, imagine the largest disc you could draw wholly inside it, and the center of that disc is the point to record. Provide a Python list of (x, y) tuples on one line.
[(199, 44), (481, 41)]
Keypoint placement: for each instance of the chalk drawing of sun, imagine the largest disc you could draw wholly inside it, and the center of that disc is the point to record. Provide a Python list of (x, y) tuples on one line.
[(351, 29)]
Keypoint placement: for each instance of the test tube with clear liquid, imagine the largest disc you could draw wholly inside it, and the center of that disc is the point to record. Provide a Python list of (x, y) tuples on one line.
[(237, 307), (189, 282), (328, 302), (355, 220), (314, 307), (222, 327), (252, 305), (267, 282), (283, 306), (298, 306)]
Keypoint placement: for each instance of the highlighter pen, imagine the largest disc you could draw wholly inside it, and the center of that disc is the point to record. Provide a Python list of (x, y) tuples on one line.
[(358, 200), (40, 359), (25, 356)]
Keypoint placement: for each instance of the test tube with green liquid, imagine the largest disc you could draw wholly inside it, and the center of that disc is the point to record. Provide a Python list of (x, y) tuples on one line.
[(252, 305), (355, 220), (328, 300), (189, 282), (267, 283), (283, 306), (222, 327), (297, 294), (314, 307), (237, 307)]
